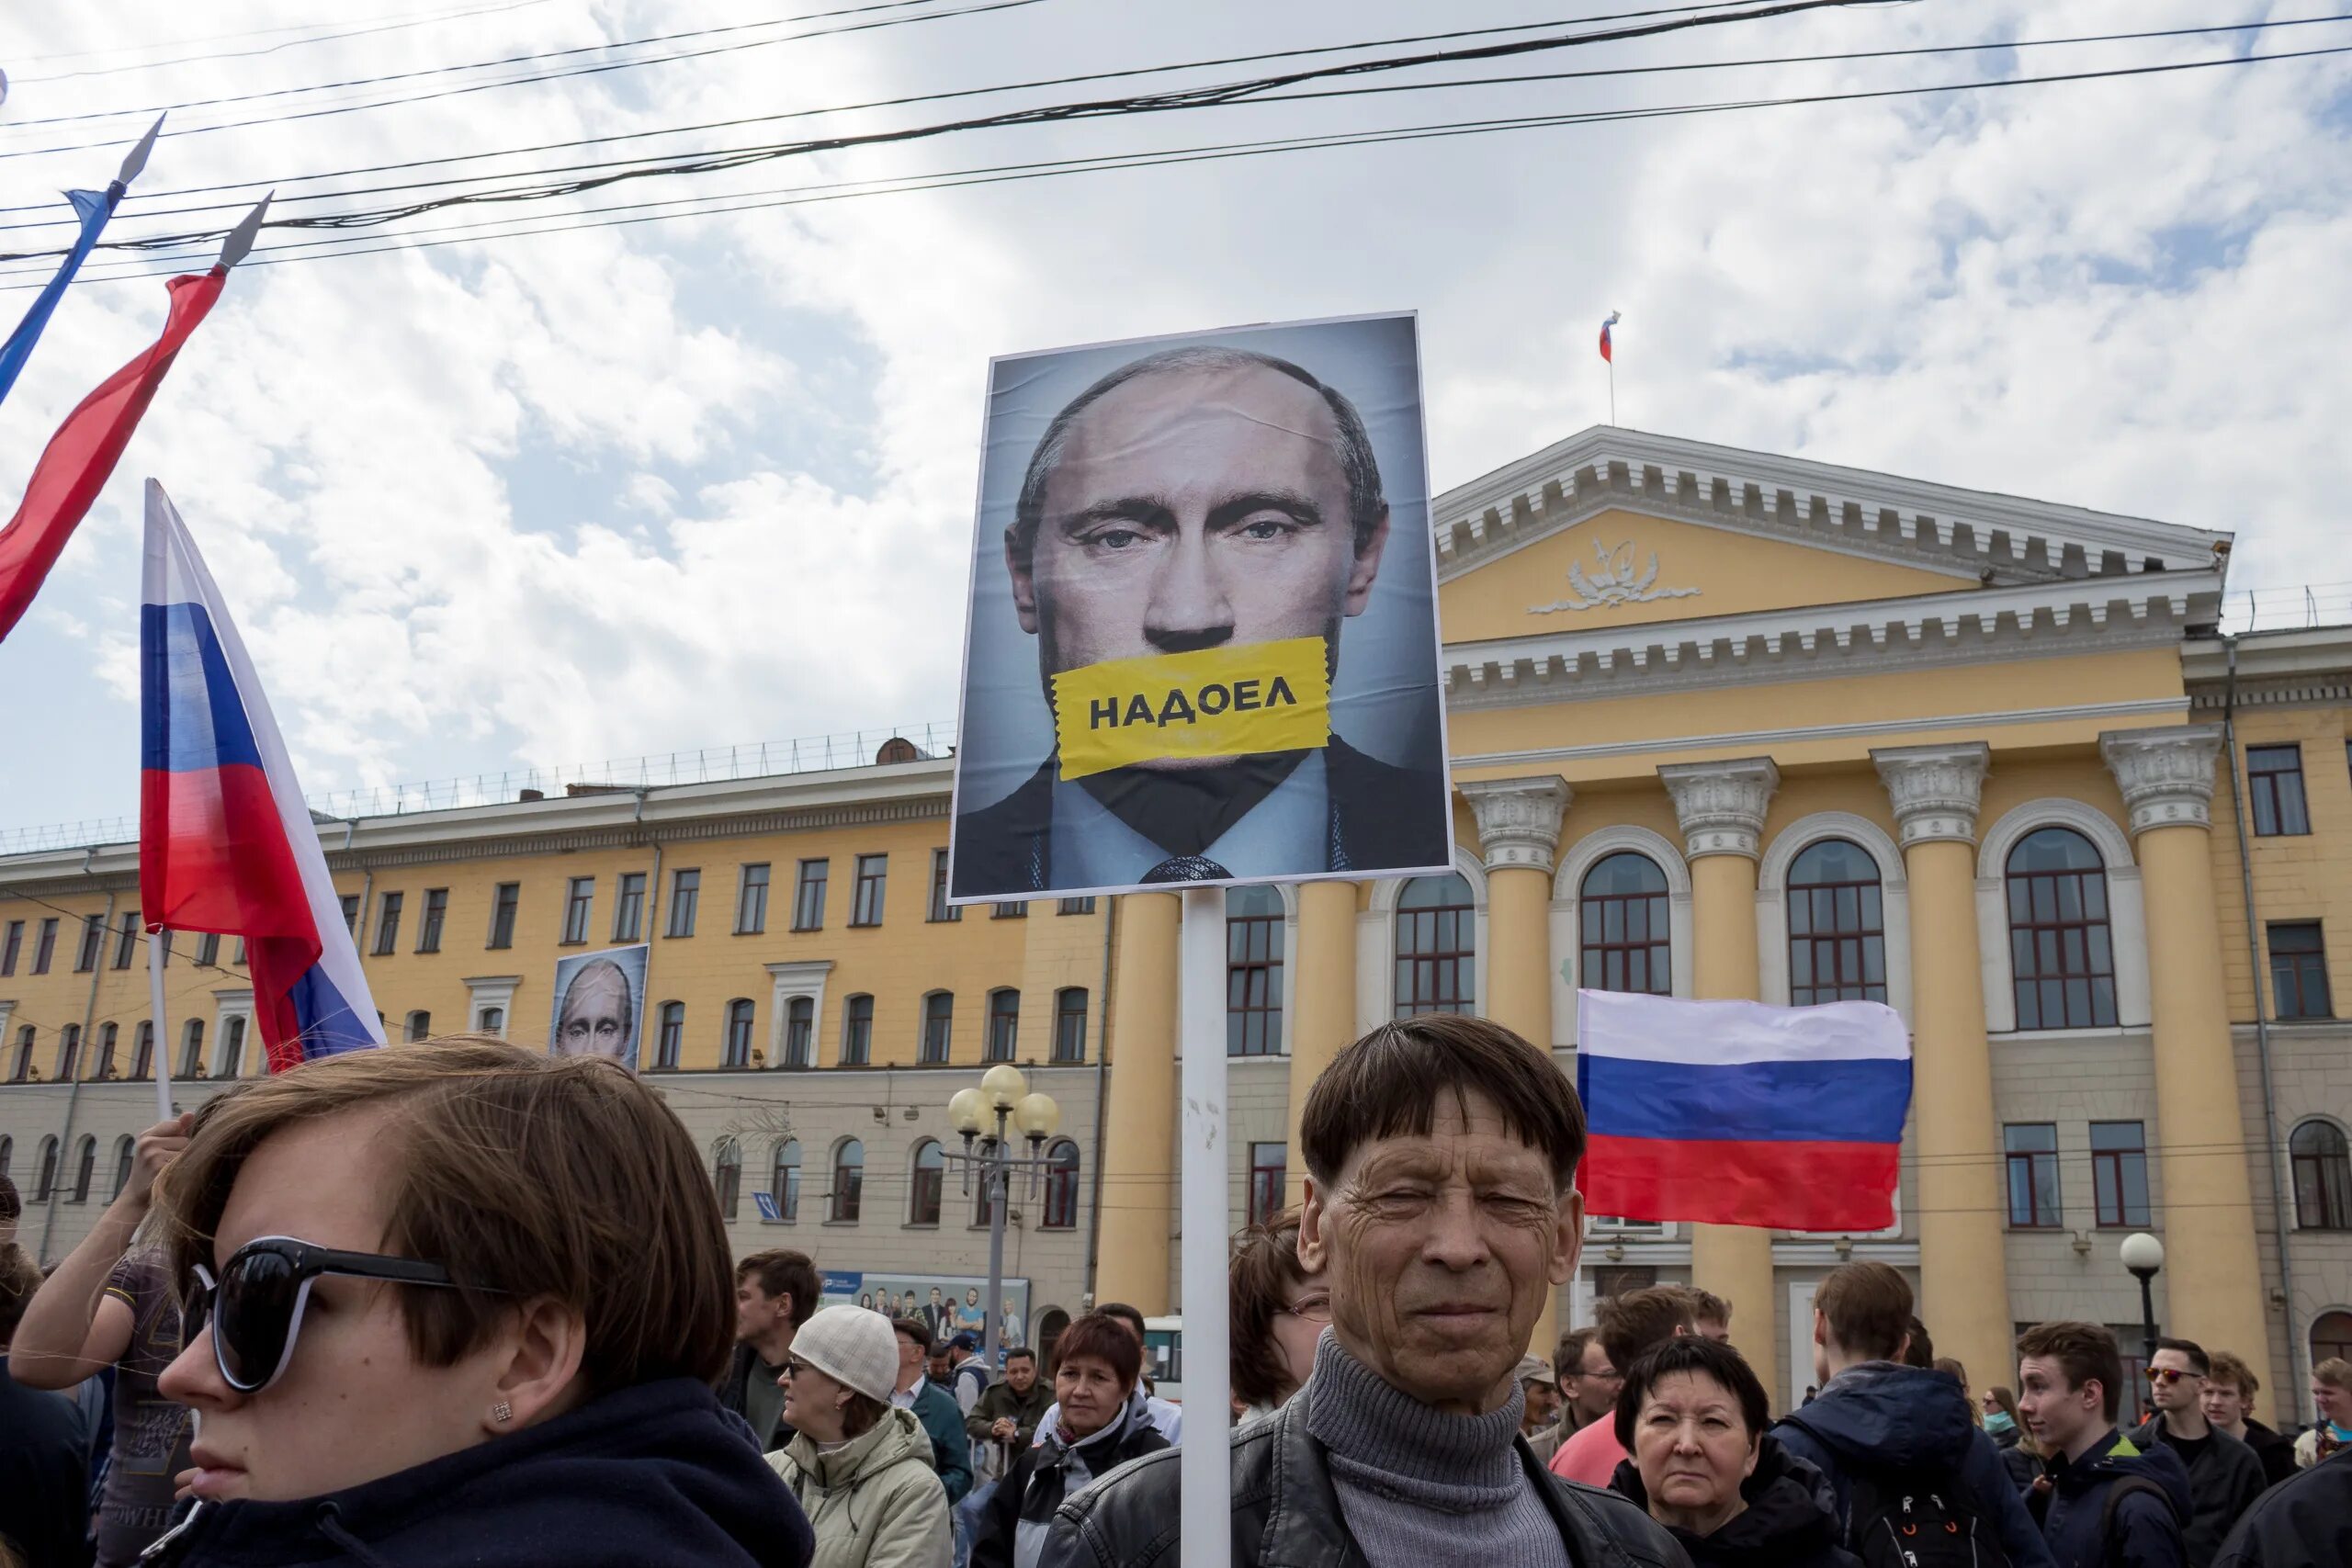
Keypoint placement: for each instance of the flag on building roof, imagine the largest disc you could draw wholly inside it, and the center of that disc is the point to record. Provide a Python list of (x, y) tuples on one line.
[(91, 210), (1738, 1113), (225, 842), (1608, 343)]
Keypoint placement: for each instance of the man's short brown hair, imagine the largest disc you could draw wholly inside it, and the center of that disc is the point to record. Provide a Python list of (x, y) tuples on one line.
[(1261, 1280), (1640, 1320), (1567, 1359), (914, 1330), (2336, 1373), (2085, 1352), (526, 1175), (1105, 1339), (1709, 1307), (1388, 1084), (2228, 1368), (1867, 1309), (780, 1271)]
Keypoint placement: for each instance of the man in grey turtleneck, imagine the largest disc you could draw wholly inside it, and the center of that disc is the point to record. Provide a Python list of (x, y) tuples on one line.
[(1441, 1153)]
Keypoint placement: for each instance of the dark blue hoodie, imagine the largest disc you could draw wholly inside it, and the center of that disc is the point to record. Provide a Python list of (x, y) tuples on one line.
[(1891, 1420), (655, 1476), (2147, 1530)]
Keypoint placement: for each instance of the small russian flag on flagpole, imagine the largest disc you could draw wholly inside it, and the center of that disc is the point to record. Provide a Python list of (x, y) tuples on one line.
[(1608, 347), (1737, 1113), (225, 842)]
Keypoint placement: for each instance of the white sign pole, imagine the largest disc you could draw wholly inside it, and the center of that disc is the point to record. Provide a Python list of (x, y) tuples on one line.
[(1206, 1510), (159, 1052)]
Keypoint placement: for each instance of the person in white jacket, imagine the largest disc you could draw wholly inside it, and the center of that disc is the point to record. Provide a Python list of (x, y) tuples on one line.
[(860, 1468)]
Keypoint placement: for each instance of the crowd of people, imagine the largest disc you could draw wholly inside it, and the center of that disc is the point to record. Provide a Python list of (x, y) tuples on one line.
[(463, 1303)]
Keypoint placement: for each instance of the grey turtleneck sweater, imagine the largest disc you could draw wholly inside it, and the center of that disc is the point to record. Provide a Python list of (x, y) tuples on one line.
[(1417, 1486)]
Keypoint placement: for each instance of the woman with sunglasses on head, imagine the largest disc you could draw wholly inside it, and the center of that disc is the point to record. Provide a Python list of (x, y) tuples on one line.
[(860, 1467), (457, 1302)]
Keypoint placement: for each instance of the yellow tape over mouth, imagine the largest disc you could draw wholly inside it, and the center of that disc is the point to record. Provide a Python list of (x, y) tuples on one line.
[(1215, 702)]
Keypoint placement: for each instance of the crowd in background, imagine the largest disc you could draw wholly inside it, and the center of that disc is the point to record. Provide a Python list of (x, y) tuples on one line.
[(460, 1302)]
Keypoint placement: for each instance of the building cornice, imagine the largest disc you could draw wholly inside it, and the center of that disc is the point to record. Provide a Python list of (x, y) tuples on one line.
[(2307, 666)]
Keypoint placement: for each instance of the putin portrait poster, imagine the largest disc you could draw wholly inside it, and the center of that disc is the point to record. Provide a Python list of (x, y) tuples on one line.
[(1203, 642), (599, 1003)]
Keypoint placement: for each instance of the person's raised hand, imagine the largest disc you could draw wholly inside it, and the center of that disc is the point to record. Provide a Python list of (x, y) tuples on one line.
[(157, 1147)]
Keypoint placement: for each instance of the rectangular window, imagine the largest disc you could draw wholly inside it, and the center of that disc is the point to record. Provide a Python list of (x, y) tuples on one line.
[(47, 948), (163, 940), (2299, 971), (809, 895), (1017, 912), (941, 909), (207, 950), (1069, 1024), (1077, 907), (2275, 787), (629, 907), (240, 963), (428, 930), (388, 923), (126, 940), (751, 900), (1005, 1024), (503, 905), (685, 893), (2119, 1172), (857, 1032), (938, 1024), (2032, 1153), (578, 897), (94, 942), (1253, 980), (865, 893), (351, 915), (801, 1032), (10, 946), (1269, 1168)]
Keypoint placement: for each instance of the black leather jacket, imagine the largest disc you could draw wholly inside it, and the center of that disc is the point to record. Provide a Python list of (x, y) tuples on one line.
[(1286, 1516)]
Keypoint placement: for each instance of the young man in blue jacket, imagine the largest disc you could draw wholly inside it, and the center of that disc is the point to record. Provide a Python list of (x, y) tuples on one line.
[(2104, 1503), (1877, 1421)]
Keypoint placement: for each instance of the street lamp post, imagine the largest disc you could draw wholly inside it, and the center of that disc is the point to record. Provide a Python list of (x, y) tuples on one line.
[(2142, 1254), (989, 1154)]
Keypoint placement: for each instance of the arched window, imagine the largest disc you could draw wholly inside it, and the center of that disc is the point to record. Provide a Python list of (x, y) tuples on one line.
[(104, 1068), (1061, 1186), (801, 1032), (1436, 947), (2332, 1337), (232, 1047), (24, 1065), (739, 1033), (1253, 971), (69, 1051), (192, 1049), (929, 1177), (2062, 959), (670, 1036), (1005, 1024), (857, 1030), (420, 1025), (784, 1179), (85, 1167), (1624, 927), (727, 1175), (2323, 1177), (494, 1021), (125, 1148), (1836, 926), (47, 1182), (938, 1027), (849, 1181), (1069, 1024), (143, 1049)]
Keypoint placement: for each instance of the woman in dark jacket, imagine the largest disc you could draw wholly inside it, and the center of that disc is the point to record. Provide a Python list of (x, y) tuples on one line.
[(1692, 1415), (1096, 1362)]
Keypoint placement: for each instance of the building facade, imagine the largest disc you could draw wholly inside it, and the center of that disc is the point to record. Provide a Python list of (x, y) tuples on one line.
[(1721, 723)]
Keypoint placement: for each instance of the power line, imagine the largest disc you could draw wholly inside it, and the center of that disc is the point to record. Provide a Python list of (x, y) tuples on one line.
[(363, 29), (723, 204)]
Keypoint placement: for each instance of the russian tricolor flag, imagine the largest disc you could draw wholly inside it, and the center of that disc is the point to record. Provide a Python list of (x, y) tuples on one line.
[(1737, 1113), (225, 843)]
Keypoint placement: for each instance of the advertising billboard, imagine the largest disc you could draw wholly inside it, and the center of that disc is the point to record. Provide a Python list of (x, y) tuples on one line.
[(947, 1304), (599, 1003)]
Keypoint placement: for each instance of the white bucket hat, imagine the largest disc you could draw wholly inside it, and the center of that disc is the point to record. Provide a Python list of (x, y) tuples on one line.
[(855, 1346)]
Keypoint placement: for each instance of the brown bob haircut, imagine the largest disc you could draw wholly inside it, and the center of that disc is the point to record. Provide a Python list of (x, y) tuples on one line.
[(526, 1175), (1108, 1340), (2085, 1352), (1708, 1359), (1867, 1309), (2231, 1369), (1635, 1322), (1263, 1280), (779, 1271), (1387, 1085)]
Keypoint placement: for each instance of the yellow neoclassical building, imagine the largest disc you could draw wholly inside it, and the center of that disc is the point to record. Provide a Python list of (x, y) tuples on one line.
[(1722, 723)]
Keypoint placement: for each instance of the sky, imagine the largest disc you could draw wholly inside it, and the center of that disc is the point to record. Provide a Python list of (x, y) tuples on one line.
[(537, 501)]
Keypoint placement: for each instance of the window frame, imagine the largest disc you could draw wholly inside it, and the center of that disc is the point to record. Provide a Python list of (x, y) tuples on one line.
[(2323, 1174), (735, 1043), (429, 922), (801, 1032), (417, 1025), (939, 1010), (1081, 905), (2037, 1164), (2276, 798), (727, 1177), (1255, 949), (1059, 1211), (686, 903), (579, 911), (845, 1203), (143, 1051), (505, 904), (125, 941), (1268, 1179), (926, 1185), (2303, 977), (811, 880), (753, 880), (45, 949), (629, 907), (939, 911), (669, 1036), (870, 890), (90, 951), (1010, 909), (1069, 1045), (857, 1030), (1000, 1041), (2026, 981), (1418, 999), (784, 1180), (1595, 949), (11, 944), (1803, 901), (388, 923), (2110, 1164)]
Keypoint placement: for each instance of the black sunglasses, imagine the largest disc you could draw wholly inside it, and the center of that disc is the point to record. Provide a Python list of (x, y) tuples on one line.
[(255, 1306)]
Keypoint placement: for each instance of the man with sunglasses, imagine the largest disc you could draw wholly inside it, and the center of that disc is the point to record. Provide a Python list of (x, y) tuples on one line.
[(2224, 1475), (110, 1305)]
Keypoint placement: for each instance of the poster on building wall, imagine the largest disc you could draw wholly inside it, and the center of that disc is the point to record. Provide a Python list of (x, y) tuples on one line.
[(946, 1304), (1203, 640), (599, 1003)]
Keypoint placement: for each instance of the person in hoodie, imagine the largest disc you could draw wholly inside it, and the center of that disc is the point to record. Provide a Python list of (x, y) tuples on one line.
[(2224, 1474), (859, 1466), (1879, 1422), (1096, 1363), (459, 1302), (2108, 1505), (1692, 1415)]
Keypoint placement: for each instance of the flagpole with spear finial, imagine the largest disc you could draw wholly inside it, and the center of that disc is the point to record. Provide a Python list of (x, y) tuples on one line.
[(1608, 355)]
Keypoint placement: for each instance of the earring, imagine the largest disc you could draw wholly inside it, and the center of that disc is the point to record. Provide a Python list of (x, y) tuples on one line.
[(502, 1412)]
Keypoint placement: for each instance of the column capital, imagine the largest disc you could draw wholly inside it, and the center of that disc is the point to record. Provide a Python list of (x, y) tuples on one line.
[(2166, 773), (1721, 805), (1936, 789), (1519, 819)]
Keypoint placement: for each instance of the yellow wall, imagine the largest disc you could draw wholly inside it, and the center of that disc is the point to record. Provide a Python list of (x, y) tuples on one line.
[(2296, 877)]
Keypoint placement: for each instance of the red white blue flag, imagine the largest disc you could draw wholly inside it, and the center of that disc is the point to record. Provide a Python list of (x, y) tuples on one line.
[(1608, 343), (1737, 1113), (225, 842)]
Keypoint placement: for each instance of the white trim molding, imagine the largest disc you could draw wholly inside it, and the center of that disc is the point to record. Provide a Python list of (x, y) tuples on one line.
[(1519, 819), (1935, 791), (1721, 805), (1772, 901), (805, 977), (2167, 774), (1568, 933), (235, 1002), (2127, 914), (492, 991)]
